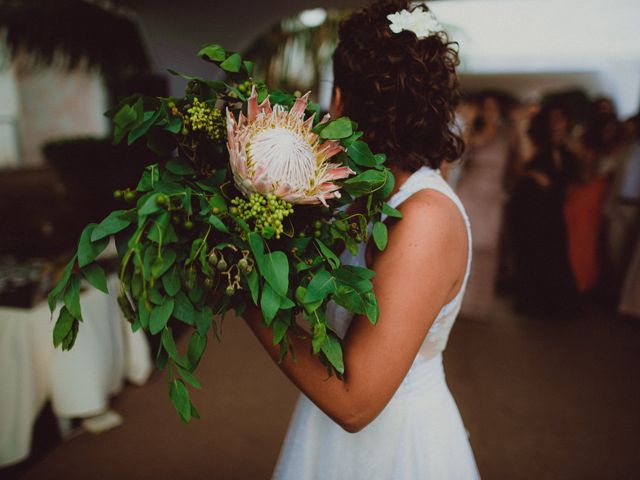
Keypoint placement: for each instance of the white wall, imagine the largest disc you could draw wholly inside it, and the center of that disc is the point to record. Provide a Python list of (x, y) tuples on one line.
[(9, 109), (176, 30), (598, 39)]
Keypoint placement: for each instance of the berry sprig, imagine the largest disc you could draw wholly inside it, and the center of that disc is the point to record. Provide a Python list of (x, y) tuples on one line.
[(245, 87), (264, 213), (202, 117)]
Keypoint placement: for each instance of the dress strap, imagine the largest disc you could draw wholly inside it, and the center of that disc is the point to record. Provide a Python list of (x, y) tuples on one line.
[(429, 178)]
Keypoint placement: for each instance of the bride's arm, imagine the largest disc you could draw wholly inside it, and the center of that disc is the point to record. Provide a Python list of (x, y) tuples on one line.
[(421, 269)]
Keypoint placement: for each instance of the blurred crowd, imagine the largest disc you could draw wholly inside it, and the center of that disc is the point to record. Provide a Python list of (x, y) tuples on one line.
[(552, 189)]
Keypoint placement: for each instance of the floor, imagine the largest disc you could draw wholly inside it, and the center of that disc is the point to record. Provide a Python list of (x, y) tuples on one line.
[(541, 399)]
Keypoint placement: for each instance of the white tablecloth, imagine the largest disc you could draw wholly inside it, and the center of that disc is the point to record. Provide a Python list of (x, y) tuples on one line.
[(78, 382)]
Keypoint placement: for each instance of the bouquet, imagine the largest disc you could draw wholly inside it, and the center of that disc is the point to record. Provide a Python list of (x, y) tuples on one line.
[(247, 205)]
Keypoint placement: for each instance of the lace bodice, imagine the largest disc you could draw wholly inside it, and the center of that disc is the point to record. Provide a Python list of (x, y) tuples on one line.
[(435, 342)]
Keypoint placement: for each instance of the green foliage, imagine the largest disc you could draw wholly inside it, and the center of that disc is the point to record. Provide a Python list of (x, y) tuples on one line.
[(191, 246)]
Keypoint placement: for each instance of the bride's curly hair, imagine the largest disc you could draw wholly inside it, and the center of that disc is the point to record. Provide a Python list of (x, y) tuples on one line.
[(401, 90)]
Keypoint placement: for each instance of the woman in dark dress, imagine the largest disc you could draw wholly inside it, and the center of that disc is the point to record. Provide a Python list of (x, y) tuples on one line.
[(544, 280)]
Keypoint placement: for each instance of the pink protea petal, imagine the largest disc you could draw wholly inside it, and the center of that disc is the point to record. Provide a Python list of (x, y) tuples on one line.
[(272, 150), (328, 187), (325, 119), (308, 123), (252, 105), (265, 106), (338, 172), (329, 148), (300, 106), (231, 125)]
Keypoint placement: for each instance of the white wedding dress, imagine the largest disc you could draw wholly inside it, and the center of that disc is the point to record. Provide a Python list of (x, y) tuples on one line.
[(419, 434)]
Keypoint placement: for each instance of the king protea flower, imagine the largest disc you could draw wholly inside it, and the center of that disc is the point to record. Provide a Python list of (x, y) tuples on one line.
[(274, 151)]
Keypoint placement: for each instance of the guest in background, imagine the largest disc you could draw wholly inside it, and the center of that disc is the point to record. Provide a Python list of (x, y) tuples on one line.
[(544, 281), (613, 152), (583, 207), (481, 189), (466, 112), (629, 303)]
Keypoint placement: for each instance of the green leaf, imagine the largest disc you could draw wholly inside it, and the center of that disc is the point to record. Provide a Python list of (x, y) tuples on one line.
[(336, 129), (96, 277), (160, 316), (361, 154), (275, 270), (164, 263), (61, 285), (144, 313), (218, 224), (161, 358), (319, 336), (180, 167), (197, 346), (213, 52), (333, 350), (88, 251), (387, 186), (125, 116), (371, 307), (269, 303), (72, 297), (248, 67), (189, 378), (321, 285), (347, 142), (149, 118), (70, 339), (149, 178), (254, 285), (257, 247), (213, 84), (380, 235), (349, 298), (150, 206), (160, 227), (203, 320), (263, 92), (184, 310), (174, 126), (155, 296), (171, 282), (280, 328), (62, 327), (354, 271), (389, 211), (169, 345), (332, 258), (232, 63), (366, 182), (218, 201), (113, 223), (180, 399), (160, 141)]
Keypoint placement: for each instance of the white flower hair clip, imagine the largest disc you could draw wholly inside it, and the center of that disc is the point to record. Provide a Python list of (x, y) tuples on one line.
[(423, 23)]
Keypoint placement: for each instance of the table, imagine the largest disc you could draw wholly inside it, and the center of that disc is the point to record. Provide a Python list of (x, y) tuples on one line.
[(78, 382)]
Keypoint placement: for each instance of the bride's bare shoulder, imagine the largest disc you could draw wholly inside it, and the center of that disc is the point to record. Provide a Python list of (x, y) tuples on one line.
[(429, 208)]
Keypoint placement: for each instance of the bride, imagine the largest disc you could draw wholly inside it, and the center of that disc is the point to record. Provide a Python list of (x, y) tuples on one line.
[(392, 416)]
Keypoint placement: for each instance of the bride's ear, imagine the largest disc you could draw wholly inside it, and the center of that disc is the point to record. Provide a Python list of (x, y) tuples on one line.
[(337, 107)]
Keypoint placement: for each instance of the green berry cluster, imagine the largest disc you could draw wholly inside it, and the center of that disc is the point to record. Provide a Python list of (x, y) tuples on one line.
[(245, 87), (266, 212), (207, 119)]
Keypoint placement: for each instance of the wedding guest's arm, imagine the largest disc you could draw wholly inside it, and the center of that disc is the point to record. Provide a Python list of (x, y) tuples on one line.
[(419, 272)]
